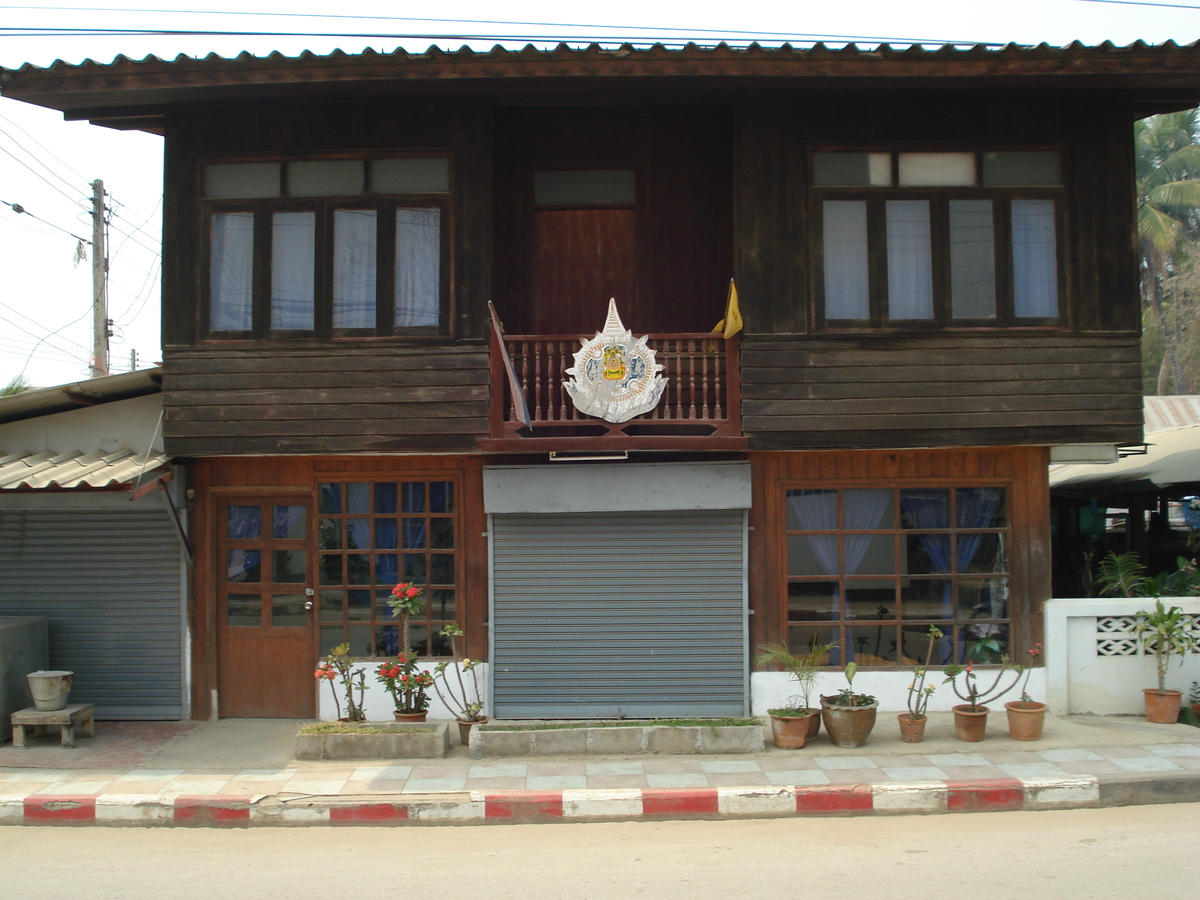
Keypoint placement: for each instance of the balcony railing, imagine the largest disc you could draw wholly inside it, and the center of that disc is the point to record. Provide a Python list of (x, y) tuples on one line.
[(701, 399)]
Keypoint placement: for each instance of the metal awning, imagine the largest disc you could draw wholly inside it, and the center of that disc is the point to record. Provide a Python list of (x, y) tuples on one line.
[(1172, 458), (76, 469)]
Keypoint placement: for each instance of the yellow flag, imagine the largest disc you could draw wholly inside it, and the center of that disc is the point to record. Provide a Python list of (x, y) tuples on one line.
[(732, 323)]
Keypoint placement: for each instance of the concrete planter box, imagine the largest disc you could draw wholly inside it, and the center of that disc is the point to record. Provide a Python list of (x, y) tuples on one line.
[(423, 741), (24, 648), (501, 740)]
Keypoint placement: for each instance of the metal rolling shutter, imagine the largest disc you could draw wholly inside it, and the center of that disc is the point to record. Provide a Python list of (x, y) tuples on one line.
[(619, 614), (108, 581)]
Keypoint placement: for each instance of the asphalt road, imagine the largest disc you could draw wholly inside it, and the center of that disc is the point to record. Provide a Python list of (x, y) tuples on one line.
[(1064, 855)]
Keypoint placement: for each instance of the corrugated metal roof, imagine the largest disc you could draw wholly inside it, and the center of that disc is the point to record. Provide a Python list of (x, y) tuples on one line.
[(1172, 412), (43, 402), (76, 469)]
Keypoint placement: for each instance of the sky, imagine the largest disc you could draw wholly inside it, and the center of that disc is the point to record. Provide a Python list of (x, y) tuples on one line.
[(47, 165)]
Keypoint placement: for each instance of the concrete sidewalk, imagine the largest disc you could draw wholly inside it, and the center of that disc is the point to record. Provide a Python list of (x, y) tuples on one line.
[(243, 772)]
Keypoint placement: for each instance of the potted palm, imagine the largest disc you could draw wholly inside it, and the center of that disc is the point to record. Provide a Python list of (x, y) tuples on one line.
[(1165, 630), (848, 715), (792, 726)]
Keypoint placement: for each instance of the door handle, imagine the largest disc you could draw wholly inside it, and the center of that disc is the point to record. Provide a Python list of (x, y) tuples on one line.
[(308, 605)]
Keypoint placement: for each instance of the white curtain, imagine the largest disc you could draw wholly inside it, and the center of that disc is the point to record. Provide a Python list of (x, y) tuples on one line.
[(231, 297), (910, 265), (1035, 268), (354, 241), (418, 266), (864, 509), (845, 248), (293, 242)]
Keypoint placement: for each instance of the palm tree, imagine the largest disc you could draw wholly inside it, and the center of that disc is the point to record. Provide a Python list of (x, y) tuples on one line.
[(18, 385), (1168, 187)]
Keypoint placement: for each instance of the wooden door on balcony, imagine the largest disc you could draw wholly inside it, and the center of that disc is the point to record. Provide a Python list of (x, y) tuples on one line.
[(581, 257)]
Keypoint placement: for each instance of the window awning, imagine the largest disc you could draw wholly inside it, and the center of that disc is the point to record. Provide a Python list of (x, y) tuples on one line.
[(1172, 458), (76, 469)]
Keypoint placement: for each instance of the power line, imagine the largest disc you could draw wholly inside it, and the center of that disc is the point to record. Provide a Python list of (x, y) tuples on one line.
[(18, 208), (39, 175), (35, 322), (1140, 3), (40, 144), (37, 159)]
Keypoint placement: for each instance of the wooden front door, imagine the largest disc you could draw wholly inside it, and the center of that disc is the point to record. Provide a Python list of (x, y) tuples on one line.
[(266, 637)]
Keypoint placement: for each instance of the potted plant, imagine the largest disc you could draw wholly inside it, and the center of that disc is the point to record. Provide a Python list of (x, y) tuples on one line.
[(457, 696), (792, 726), (912, 723), (339, 665), (408, 686), (849, 716), (1163, 630), (970, 718), (1026, 717)]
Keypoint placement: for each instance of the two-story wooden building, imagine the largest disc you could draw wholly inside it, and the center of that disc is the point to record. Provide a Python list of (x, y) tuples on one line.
[(936, 260)]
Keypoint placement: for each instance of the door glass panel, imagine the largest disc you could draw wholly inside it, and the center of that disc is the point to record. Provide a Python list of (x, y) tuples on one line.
[(358, 534), (331, 636), (441, 534), (288, 567), (414, 534), (386, 568), (287, 610), (441, 604), (289, 523), (243, 609), (441, 496), (245, 566), (358, 568), (329, 534), (358, 606), (329, 499), (441, 568), (331, 606), (245, 523), (385, 534), (414, 567), (331, 570)]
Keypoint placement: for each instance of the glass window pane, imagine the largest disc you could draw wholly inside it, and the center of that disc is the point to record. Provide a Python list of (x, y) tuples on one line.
[(925, 508), (418, 636), (972, 260), (983, 598), (293, 243), (414, 534), (358, 568), (980, 507), (288, 610), (812, 600), (915, 646), (331, 636), (937, 169), (358, 534), (416, 175), (1036, 168), (387, 640), (812, 554), (872, 645), (359, 639), (288, 523), (412, 495), (845, 250), (869, 510), (354, 257), (852, 169), (241, 181), (358, 498), (245, 566), (980, 553), (441, 568), (331, 606), (584, 188), (418, 267), (927, 598), (244, 523), (926, 554), (358, 606), (387, 568), (983, 643), (385, 497), (868, 554), (329, 534), (325, 178), (329, 499), (414, 567), (243, 609), (909, 260), (441, 534), (386, 536), (441, 605), (802, 639), (440, 645), (441, 496), (812, 510), (870, 600), (331, 569), (287, 567), (382, 610), (231, 292), (1035, 259)]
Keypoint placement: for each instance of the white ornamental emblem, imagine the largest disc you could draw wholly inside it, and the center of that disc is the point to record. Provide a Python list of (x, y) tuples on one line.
[(615, 376)]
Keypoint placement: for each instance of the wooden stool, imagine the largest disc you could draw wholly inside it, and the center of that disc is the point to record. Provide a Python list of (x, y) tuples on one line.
[(70, 717)]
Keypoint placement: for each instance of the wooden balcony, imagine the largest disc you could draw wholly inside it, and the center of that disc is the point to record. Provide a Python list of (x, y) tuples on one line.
[(699, 410)]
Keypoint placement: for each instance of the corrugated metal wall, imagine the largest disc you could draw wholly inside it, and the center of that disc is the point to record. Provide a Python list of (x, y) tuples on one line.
[(108, 580), (619, 614)]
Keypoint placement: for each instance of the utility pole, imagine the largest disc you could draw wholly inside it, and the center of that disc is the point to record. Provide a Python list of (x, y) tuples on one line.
[(99, 364)]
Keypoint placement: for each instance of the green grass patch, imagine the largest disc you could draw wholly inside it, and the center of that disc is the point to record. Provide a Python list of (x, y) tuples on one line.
[(359, 728), (625, 723)]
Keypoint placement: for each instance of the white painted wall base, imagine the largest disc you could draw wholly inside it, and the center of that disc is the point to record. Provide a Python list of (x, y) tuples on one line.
[(378, 703), (1082, 682)]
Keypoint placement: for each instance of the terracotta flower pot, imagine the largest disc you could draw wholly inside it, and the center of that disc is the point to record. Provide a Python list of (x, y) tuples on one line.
[(1163, 706), (848, 726), (814, 725), (1025, 720), (410, 717), (792, 732), (969, 726), (912, 731), (464, 730)]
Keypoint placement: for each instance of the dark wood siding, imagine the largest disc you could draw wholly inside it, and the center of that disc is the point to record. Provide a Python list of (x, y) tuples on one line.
[(940, 390), (317, 399)]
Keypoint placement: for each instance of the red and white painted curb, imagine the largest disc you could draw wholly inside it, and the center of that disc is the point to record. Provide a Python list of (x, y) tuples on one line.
[(548, 806)]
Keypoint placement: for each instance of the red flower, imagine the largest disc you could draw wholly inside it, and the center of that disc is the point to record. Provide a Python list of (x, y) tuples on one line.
[(412, 591)]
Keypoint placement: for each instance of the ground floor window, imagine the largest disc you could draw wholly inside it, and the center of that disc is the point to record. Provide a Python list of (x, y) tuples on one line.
[(872, 568), (371, 535)]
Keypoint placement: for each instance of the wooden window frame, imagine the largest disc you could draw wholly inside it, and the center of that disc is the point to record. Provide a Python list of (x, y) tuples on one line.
[(876, 197), (953, 627)]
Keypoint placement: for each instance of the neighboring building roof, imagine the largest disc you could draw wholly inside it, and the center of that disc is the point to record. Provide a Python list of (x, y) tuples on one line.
[(1172, 458), (130, 93), (92, 392), (1171, 412), (76, 469)]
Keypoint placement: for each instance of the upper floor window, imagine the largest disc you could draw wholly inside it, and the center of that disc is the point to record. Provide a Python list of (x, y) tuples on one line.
[(327, 247), (942, 238)]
